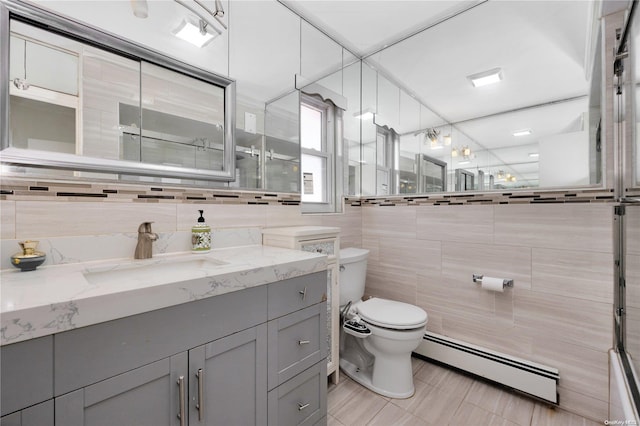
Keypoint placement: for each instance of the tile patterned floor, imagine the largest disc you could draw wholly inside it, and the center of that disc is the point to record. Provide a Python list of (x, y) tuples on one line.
[(443, 397)]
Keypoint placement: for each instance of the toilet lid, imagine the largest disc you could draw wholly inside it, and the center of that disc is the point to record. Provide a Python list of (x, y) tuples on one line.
[(391, 314)]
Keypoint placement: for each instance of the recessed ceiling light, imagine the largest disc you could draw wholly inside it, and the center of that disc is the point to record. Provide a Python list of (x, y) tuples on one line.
[(195, 34), (523, 132), (486, 77), (534, 155)]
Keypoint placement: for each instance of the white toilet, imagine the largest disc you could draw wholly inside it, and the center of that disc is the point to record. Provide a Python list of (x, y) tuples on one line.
[(378, 335)]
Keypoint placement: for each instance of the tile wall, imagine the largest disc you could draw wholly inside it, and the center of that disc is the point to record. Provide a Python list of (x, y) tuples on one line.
[(559, 312), (560, 255)]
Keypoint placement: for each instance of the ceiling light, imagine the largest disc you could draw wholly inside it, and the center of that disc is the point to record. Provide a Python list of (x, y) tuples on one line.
[(534, 155), (194, 34), (523, 132), (486, 77)]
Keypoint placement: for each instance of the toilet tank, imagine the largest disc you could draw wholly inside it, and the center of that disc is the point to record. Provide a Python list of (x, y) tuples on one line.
[(353, 273)]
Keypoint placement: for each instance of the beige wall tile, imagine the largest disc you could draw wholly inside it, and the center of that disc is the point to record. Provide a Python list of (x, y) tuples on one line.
[(350, 224), (461, 260), (632, 224), (567, 319), (560, 226), (222, 215), (411, 255), (394, 222), (453, 298), (582, 369), (456, 223), (58, 218), (585, 275), (632, 272), (289, 216), (7, 219), (391, 283), (489, 333)]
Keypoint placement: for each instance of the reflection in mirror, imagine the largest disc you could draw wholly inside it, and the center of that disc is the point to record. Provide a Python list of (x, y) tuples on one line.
[(282, 148), (75, 106), (535, 128)]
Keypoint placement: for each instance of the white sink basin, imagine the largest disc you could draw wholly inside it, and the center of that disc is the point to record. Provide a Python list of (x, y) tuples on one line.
[(152, 270)]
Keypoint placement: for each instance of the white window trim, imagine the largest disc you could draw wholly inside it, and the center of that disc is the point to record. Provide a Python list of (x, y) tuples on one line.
[(328, 153)]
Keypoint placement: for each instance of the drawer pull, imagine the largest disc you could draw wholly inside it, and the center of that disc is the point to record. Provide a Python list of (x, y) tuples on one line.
[(303, 342), (182, 414), (302, 406), (303, 293), (200, 404), (319, 250)]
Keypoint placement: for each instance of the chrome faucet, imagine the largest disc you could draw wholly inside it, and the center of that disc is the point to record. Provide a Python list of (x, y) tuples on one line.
[(145, 239)]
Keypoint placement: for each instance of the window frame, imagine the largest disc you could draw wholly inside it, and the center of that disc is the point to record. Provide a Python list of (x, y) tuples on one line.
[(328, 153)]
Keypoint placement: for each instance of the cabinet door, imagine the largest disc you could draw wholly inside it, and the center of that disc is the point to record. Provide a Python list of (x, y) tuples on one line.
[(37, 415), (146, 396), (228, 380)]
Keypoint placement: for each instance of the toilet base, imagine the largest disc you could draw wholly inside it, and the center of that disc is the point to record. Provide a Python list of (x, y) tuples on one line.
[(363, 377)]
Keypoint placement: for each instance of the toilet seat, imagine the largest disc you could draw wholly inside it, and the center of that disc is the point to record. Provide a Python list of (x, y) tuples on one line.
[(391, 314)]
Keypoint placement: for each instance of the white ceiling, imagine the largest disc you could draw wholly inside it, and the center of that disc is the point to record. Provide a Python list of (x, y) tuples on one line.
[(544, 49)]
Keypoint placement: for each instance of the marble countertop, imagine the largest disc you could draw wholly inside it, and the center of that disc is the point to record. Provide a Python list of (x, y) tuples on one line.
[(62, 297)]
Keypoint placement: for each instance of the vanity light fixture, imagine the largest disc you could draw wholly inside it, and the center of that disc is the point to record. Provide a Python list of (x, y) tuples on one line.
[(500, 174), (140, 8), (446, 139), (466, 151), (523, 132), (365, 114), (454, 152), (196, 34), (487, 77)]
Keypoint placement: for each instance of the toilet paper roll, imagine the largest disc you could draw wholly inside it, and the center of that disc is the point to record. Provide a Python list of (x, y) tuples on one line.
[(493, 284)]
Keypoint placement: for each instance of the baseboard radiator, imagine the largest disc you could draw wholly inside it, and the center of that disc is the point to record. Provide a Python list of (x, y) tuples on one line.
[(531, 378)]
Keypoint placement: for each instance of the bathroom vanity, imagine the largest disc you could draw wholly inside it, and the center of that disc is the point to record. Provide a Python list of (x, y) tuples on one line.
[(237, 336), (324, 240)]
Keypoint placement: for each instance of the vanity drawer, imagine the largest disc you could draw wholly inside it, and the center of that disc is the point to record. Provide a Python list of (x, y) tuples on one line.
[(300, 401), (326, 246), (296, 293), (295, 343)]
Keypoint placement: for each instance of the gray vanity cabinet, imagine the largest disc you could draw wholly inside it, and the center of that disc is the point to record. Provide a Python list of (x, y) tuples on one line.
[(36, 415), (226, 360), (149, 395), (228, 380), (26, 374)]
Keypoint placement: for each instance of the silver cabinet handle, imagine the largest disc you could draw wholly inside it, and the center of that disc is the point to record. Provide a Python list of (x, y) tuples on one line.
[(303, 293), (200, 404), (302, 406), (319, 250), (182, 415), (303, 342)]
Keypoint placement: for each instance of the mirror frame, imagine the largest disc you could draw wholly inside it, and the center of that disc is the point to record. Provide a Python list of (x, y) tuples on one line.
[(13, 9)]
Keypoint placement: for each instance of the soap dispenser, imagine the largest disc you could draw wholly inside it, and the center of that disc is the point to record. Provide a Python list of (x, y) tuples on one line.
[(201, 236)]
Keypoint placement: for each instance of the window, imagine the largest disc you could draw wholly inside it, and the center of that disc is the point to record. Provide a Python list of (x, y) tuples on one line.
[(317, 145)]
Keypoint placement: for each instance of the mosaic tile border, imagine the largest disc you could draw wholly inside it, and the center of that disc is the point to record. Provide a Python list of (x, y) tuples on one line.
[(22, 189), (15, 189), (525, 197)]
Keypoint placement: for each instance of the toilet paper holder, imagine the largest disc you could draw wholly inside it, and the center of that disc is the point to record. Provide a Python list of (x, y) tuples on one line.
[(477, 278)]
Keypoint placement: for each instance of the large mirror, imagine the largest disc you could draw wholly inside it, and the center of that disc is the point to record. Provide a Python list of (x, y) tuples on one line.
[(536, 127), (86, 103)]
